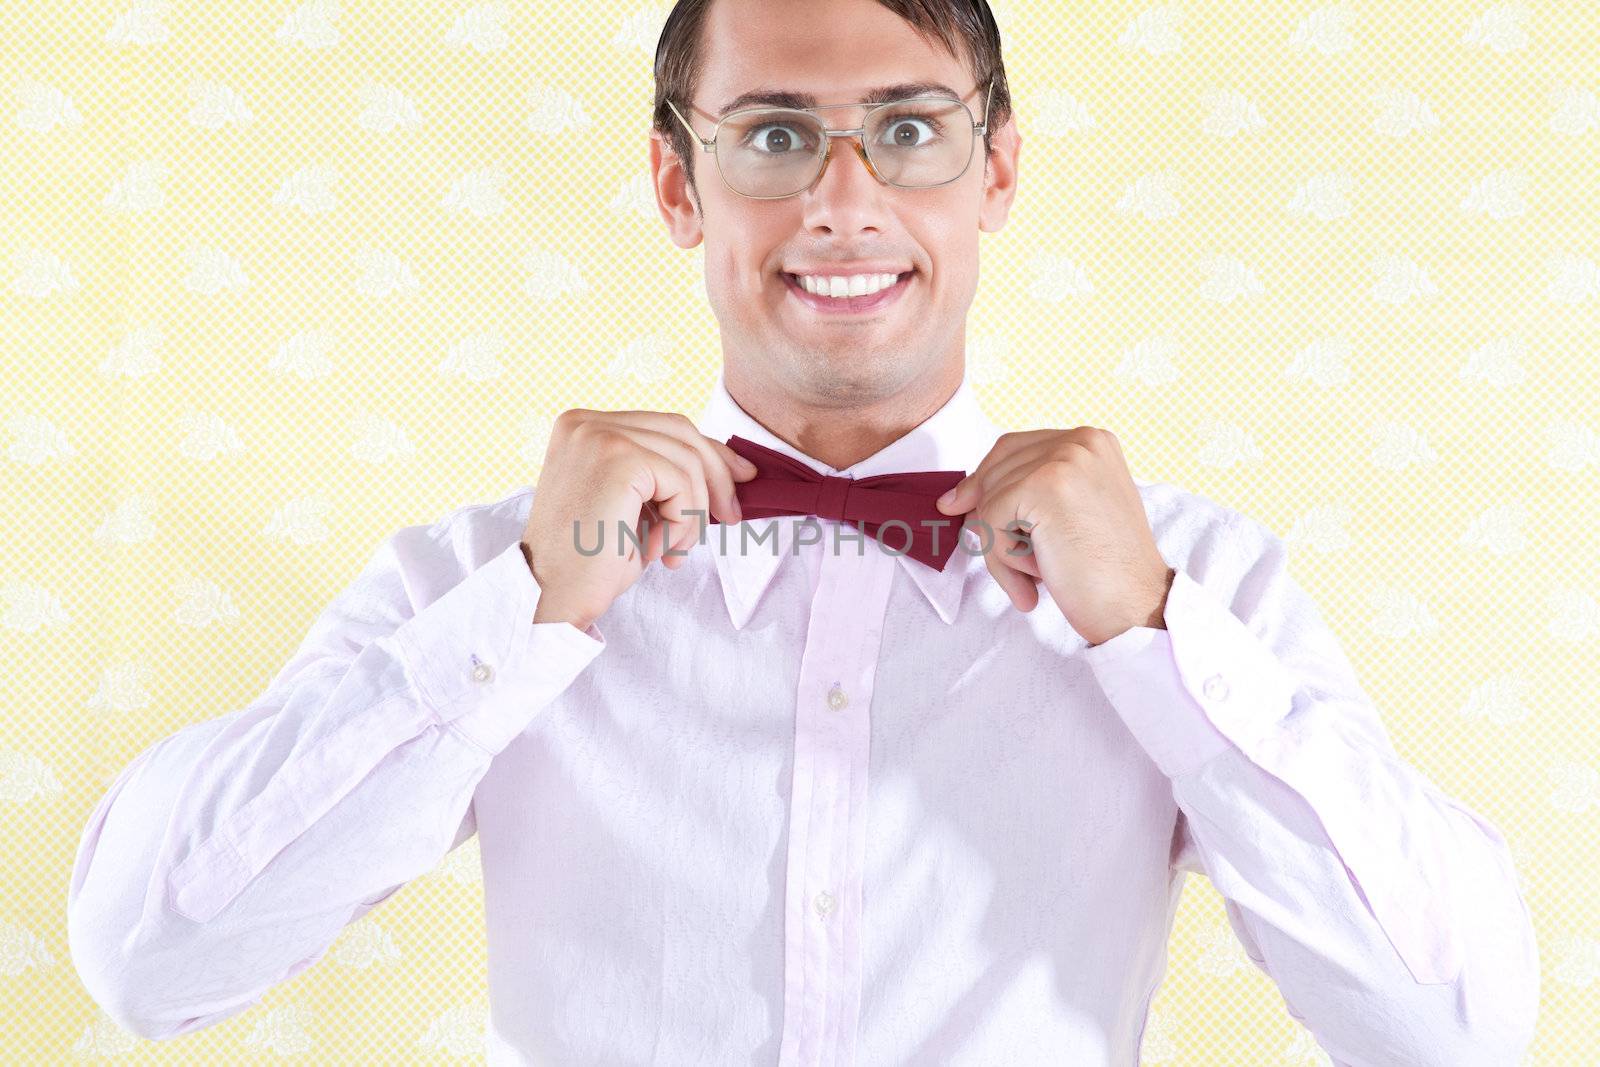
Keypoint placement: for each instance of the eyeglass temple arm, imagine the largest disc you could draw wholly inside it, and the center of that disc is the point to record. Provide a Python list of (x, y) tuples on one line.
[(705, 145), (983, 127)]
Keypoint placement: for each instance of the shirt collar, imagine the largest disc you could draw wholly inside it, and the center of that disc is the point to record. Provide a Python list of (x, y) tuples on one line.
[(956, 437)]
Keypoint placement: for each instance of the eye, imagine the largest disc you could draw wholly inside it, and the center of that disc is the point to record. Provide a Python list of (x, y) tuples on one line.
[(775, 138), (901, 131)]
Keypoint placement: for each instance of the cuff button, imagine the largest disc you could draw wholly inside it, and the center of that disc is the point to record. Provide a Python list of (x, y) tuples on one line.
[(1216, 688), (481, 671)]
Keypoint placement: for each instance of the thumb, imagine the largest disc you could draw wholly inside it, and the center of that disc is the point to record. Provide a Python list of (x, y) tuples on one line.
[(953, 501)]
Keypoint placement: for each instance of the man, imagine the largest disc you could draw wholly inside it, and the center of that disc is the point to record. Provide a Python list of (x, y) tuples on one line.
[(829, 803)]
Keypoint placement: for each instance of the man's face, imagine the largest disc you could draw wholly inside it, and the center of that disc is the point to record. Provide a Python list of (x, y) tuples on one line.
[(848, 222)]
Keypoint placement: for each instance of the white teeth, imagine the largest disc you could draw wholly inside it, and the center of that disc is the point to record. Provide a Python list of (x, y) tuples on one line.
[(854, 285)]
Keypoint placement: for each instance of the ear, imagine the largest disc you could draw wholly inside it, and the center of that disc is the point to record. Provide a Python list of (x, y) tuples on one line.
[(673, 201), (1000, 176)]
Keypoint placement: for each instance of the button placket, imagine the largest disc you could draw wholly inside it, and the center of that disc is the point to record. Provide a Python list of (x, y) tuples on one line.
[(827, 836)]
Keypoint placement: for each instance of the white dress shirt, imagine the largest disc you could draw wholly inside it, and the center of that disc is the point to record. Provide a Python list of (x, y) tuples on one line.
[(816, 806)]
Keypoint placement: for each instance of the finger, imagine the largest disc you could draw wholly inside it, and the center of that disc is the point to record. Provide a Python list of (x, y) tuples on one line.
[(652, 430), (1004, 471), (740, 468), (719, 468), (723, 466), (684, 513), (647, 527), (960, 499), (1023, 559), (650, 477), (1013, 467), (653, 534), (663, 487), (1020, 586)]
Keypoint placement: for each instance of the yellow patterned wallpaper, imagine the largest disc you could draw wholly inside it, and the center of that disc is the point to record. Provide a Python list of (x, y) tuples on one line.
[(281, 277)]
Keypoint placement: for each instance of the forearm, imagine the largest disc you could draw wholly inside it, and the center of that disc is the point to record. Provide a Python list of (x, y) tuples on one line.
[(228, 856), (1388, 913), (1446, 894)]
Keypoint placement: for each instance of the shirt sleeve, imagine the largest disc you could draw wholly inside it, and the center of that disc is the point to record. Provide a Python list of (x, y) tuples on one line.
[(1387, 913), (227, 857)]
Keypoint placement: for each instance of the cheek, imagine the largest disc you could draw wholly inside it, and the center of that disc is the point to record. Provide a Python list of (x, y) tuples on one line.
[(737, 265), (733, 284), (947, 229), (954, 253), (724, 266)]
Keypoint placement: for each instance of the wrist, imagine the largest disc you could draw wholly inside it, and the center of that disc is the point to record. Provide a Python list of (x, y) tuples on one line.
[(1154, 618), (549, 608), (1158, 615), (550, 611)]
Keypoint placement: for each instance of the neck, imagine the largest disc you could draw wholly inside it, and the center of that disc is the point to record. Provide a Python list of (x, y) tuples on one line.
[(840, 430)]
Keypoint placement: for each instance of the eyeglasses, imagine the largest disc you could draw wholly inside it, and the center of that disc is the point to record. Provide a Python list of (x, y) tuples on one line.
[(767, 153)]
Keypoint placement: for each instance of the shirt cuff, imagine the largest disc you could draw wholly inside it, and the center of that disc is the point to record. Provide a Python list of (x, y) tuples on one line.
[(1189, 691), (481, 664)]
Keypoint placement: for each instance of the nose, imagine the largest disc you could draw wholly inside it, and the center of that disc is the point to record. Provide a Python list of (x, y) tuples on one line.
[(845, 199), (836, 152)]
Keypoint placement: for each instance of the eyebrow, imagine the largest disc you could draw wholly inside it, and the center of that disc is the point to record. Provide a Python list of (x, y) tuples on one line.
[(790, 98)]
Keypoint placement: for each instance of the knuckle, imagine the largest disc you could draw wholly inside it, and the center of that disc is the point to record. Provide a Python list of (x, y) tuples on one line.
[(606, 442), (695, 468), (1087, 435), (1058, 471), (570, 419)]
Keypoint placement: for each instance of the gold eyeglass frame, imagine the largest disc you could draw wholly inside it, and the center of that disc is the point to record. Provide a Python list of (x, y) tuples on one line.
[(979, 130)]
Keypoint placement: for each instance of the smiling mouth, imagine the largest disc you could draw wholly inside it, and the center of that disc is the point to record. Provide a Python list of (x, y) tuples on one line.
[(848, 306)]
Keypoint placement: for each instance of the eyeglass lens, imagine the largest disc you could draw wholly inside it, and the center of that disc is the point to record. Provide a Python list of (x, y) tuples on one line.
[(916, 143)]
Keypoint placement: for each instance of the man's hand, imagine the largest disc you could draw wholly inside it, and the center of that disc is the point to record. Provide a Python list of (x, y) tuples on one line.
[(605, 468), (1068, 493)]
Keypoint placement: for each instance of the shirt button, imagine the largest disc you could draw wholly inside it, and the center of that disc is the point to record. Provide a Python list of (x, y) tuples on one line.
[(1216, 688), (482, 672), (824, 903), (836, 697)]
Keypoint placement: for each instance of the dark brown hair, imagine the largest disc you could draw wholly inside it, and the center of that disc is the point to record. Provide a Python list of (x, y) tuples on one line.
[(960, 25)]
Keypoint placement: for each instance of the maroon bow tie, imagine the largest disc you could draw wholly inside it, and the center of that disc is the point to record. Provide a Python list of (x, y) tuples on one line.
[(785, 486)]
